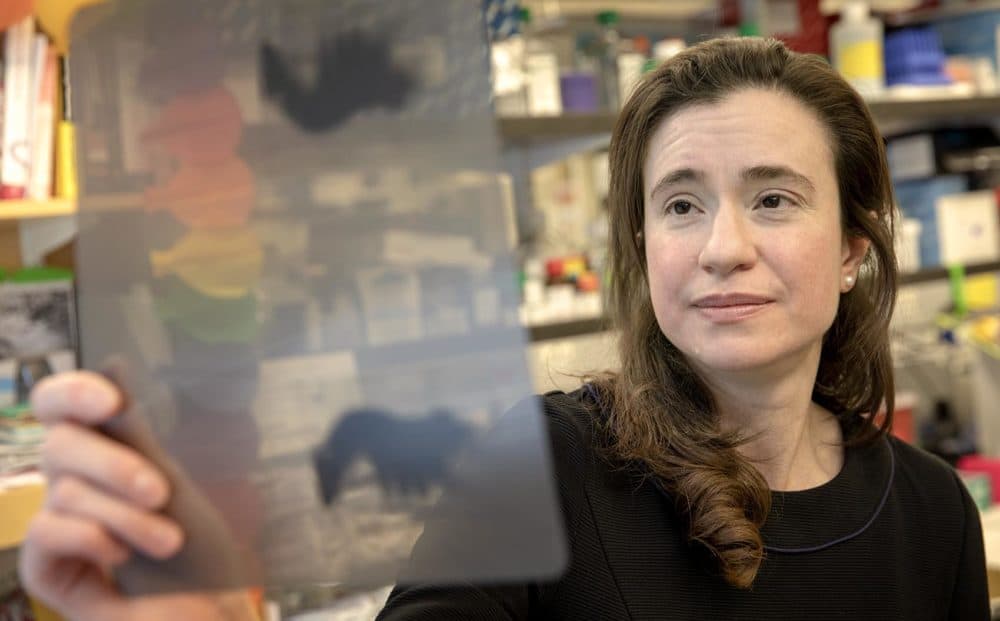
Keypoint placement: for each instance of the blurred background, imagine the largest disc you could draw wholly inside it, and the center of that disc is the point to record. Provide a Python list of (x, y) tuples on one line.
[(560, 70)]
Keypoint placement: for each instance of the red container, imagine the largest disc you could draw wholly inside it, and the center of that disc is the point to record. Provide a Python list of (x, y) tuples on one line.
[(902, 417), (989, 466), (13, 11)]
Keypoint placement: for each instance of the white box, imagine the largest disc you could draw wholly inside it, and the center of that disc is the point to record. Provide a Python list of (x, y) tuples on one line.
[(911, 157), (908, 245), (967, 227), (985, 369), (544, 95)]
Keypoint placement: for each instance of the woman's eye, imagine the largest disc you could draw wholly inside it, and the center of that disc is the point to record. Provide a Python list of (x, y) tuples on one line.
[(680, 208), (774, 201)]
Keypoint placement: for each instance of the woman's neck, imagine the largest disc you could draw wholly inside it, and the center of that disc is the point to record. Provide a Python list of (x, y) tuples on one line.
[(793, 442)]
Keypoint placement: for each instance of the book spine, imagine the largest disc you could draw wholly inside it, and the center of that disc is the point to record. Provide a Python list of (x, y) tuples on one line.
[(3, 100), (16, 163), (43, 144)]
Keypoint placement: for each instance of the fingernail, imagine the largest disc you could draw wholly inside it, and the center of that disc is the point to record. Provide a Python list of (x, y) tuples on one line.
[(120, 556), (100, 398), (168, 539), (149, 488)]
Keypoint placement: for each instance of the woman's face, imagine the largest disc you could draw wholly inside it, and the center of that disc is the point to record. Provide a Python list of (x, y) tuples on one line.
[(742, 231)]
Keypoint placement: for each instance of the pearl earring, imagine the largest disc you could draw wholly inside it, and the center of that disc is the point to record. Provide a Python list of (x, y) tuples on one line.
[(849, 280)]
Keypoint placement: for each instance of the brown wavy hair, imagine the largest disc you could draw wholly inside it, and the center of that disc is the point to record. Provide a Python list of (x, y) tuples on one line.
[(661, 417)]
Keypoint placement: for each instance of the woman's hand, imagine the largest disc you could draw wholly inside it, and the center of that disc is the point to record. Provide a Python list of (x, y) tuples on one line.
[(103, 503)]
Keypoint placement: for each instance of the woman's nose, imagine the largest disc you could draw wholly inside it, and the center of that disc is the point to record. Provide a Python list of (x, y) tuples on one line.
[(730, 245)]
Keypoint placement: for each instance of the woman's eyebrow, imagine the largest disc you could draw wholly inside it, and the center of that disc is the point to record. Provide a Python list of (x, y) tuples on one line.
[(681, 175), (770, 173)]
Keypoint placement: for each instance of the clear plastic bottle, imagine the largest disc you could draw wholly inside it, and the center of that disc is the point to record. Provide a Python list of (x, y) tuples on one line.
[(856, 48), (541, 71), (509, 84), (631, 60), (610, 43)]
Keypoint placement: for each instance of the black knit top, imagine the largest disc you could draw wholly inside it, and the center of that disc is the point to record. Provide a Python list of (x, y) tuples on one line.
[(893, 536)]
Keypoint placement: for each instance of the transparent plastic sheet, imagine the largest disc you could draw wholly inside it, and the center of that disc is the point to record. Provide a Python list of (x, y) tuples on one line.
[(294, 256)]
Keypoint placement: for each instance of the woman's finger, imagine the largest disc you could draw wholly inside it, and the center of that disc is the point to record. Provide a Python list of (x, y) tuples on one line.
[(65, 563), (80, 396), (150, 533), (53, 536), (71, 449)]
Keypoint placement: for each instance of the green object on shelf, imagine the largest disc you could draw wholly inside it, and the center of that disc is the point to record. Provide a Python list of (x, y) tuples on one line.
[(749, 29), (607, 18), (979, 486), (956, 277), (40, 274), (15, 411)]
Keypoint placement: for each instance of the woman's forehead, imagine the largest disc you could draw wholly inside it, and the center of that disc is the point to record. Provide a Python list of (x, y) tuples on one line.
[(747, 129)]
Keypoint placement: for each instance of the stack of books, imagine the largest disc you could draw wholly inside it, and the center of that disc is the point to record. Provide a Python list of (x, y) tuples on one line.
[(28, 99), (21, 436)]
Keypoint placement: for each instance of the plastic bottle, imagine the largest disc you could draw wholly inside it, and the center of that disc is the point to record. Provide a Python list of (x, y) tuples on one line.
[(631, 60), (509, 84), (541, 71), (664, 50), (856, 48), (610, 43)]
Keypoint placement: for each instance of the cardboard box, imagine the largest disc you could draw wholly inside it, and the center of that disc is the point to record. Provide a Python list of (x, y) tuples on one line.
[(967, 227)]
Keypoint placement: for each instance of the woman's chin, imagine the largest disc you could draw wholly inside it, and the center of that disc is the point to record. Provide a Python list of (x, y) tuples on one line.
[(746, 359), (736, 364)]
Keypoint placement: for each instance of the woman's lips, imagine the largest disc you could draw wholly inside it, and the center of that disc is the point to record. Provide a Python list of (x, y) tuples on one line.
[(731, 307)]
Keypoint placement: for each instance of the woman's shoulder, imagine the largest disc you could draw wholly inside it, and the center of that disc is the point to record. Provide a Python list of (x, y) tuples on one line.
[(576, 412), (574, 420), (573, 424), (926, 481), (915, 463)]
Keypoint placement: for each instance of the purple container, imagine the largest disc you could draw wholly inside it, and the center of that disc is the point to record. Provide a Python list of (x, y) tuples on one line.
[(914, 56), (579, 92)]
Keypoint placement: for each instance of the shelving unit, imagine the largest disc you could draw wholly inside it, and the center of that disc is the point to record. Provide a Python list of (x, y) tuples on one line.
[(680, 10), (890, 111), (539, 130), (568, 329), (27, 209), (18, 504), (923, 16), (528, 132), (941, 273)]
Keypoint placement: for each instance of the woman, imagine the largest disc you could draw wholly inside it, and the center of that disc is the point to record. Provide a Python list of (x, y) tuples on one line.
[(730, 468)]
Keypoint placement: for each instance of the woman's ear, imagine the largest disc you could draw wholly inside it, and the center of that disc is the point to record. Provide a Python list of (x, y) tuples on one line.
[(854, 250)]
